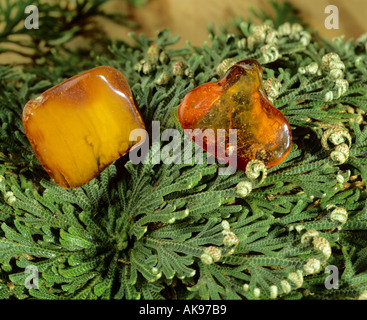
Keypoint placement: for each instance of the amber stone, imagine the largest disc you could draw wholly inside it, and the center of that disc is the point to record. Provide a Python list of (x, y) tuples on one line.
[(238, 101), (82, 125)]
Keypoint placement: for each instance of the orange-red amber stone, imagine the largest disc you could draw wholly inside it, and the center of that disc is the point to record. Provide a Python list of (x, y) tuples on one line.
[(82, 125), (238, 101)]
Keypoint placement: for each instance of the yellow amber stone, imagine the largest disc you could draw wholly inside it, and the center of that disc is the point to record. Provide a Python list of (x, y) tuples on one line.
[(82, 125)]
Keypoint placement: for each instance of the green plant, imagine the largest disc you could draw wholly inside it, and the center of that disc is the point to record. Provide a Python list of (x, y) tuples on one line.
[(181, 231)]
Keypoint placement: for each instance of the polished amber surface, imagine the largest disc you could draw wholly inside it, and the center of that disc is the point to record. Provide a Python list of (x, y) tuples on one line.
[(238, 101), (82, 125)]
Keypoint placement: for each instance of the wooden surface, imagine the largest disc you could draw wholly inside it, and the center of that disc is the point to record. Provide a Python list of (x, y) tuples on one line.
[(189, 18)]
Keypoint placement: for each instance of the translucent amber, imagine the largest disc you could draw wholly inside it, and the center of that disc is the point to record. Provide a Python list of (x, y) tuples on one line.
[(238, 101), (82, 125)]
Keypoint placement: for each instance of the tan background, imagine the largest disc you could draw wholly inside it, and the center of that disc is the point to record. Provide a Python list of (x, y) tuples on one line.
[(189, 18)]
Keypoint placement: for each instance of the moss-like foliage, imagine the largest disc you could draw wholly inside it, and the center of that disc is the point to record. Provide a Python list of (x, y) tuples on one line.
[(183, 231)]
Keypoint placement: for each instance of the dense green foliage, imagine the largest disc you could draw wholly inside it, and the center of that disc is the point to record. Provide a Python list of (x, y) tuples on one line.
[(181, 231)]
